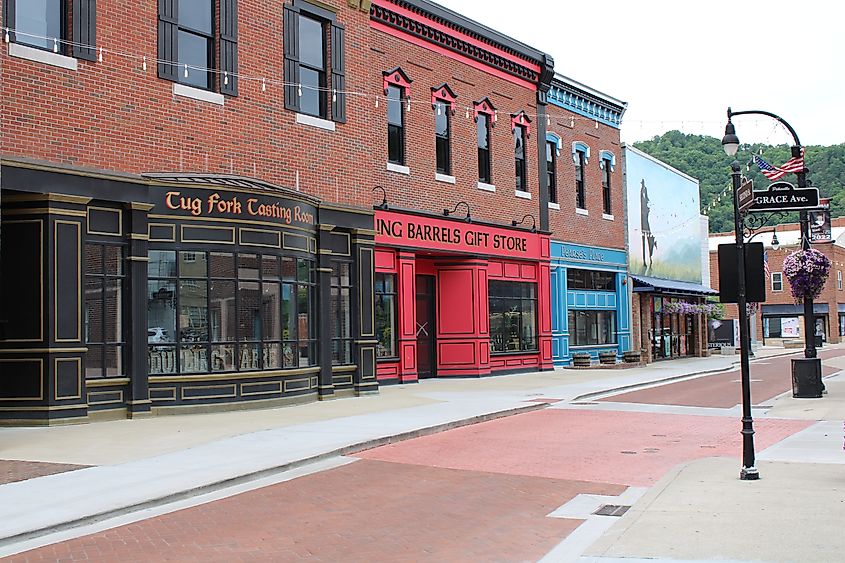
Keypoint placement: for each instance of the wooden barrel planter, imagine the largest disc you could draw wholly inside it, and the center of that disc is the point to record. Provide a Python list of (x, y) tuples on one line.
[(607, 357), (631, 357), (581, 360)]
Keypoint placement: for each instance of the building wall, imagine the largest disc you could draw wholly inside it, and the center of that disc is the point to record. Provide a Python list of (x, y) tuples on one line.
[(112, 115), (831, 295)]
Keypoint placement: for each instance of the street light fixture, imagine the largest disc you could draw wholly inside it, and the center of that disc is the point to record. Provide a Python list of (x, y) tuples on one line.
[(749, 470), (775, 242)]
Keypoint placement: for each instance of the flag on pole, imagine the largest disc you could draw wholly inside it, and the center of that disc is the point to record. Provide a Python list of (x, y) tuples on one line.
[(794, 164), (766, 264)]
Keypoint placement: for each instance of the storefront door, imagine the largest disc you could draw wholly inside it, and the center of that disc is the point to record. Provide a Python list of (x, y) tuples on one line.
[(426, 327)]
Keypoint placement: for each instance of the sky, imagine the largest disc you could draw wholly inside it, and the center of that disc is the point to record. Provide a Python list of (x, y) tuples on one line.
[(680, 65)]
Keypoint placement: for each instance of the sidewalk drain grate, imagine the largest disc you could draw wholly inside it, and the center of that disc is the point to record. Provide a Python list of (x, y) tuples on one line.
[(611, 510)]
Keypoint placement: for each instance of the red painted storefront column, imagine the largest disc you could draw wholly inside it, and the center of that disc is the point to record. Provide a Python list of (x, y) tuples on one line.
[(407, 294), (544, 307), (463, 318)]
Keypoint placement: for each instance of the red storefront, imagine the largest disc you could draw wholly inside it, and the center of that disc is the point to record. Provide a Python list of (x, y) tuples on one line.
[(459, 298)]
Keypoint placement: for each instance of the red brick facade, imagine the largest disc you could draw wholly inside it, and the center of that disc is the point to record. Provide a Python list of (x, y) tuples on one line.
[(832, 295)]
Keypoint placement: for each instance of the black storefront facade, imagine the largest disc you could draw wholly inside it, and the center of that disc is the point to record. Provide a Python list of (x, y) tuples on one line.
[(127, 295)]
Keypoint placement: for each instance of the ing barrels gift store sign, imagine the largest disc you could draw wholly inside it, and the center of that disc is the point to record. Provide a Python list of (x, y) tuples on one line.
[(430, 233)]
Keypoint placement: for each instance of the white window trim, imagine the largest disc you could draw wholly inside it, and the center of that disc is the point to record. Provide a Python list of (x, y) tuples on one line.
[(522, 194), (839, 280), (607, 216), (317, 122), (580, 211), (42, 56), (198, 94), (398, 168), (444, 178), (780, 281), (554, 206), (486, 187)]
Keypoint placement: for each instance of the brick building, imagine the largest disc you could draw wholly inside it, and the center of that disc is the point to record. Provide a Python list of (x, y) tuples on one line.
[(297, 201), (780, 319)]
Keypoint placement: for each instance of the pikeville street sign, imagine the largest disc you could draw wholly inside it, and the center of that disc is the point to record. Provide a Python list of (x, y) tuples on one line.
[(783, 196)]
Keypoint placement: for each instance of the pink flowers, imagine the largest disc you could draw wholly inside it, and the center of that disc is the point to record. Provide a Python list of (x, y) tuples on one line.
[(807, 272)]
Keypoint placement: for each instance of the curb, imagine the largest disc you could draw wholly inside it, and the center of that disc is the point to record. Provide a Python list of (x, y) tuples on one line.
[(260, 474)]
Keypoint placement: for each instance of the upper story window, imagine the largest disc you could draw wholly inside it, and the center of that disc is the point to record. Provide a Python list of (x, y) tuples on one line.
[(777, 281), (395, 125), (580, 156), (605, 188), (580, 193), (519, 158), (315, 83), (397, 87), (608, 163), (190, 36), (484, 118), (49, 25), (551, 170), (520, 127), (442, 100)]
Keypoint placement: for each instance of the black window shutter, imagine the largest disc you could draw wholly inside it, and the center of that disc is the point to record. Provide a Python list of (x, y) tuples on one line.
[(291, 58), (229, 46), (168, 19), (85, 29), (9, 18), (338, 74)]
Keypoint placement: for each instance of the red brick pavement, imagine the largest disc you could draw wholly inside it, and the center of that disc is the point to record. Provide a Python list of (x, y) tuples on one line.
[(769, 378), (367, 511), (632, 448), (13, 470)]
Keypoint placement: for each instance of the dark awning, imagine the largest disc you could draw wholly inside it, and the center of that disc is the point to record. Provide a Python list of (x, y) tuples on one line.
[(646, 284), (793, 310)]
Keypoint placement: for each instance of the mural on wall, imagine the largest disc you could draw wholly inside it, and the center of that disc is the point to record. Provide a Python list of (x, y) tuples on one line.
[(664, 238)]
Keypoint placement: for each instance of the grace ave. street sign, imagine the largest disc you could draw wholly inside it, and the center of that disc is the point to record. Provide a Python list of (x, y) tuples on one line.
[(783, 196)]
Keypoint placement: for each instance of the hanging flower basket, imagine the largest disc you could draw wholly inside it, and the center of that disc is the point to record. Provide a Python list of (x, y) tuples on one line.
[(807, 272), (710, 310)]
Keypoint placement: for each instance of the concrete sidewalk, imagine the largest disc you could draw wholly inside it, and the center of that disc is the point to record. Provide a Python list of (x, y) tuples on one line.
[(143, 463)]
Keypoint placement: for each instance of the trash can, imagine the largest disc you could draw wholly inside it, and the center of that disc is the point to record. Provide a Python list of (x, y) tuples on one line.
[(807, 378)]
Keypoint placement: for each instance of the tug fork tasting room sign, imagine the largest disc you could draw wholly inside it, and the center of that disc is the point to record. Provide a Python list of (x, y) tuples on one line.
[(230, 205), (414, 231)]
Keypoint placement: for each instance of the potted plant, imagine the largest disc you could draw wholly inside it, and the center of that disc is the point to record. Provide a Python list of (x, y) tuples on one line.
[(607, 357), (581, 359), (631, 356)]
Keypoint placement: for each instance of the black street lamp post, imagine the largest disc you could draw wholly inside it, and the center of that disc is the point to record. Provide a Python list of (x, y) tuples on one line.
[(749, 469), (730, 143)]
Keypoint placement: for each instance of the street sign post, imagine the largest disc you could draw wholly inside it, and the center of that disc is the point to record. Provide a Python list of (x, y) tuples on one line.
[(745, 195), (783, 196)]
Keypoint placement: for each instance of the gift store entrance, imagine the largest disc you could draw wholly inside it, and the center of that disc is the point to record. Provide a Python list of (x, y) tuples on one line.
[(426, 327)]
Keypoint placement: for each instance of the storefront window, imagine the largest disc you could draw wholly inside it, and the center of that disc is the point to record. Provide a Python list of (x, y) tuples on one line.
[(219, 312), (590, 280), (341, 315), (513, 317), (104, 322), (385, 302), (592, 328)]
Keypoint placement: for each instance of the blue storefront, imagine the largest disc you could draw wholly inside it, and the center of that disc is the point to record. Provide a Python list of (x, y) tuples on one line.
[(590, 303)]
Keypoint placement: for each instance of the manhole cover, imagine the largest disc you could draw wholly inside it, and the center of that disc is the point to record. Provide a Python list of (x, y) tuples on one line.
[(611, 510)]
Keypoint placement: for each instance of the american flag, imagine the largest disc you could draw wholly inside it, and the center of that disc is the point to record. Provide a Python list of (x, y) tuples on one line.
[(766, 264), (794, 164)]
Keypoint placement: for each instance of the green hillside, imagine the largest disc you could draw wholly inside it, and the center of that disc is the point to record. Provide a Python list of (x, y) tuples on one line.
[(702, 157)]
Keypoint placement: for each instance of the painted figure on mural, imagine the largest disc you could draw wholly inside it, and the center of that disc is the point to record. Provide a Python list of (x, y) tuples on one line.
[(648, 238)]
